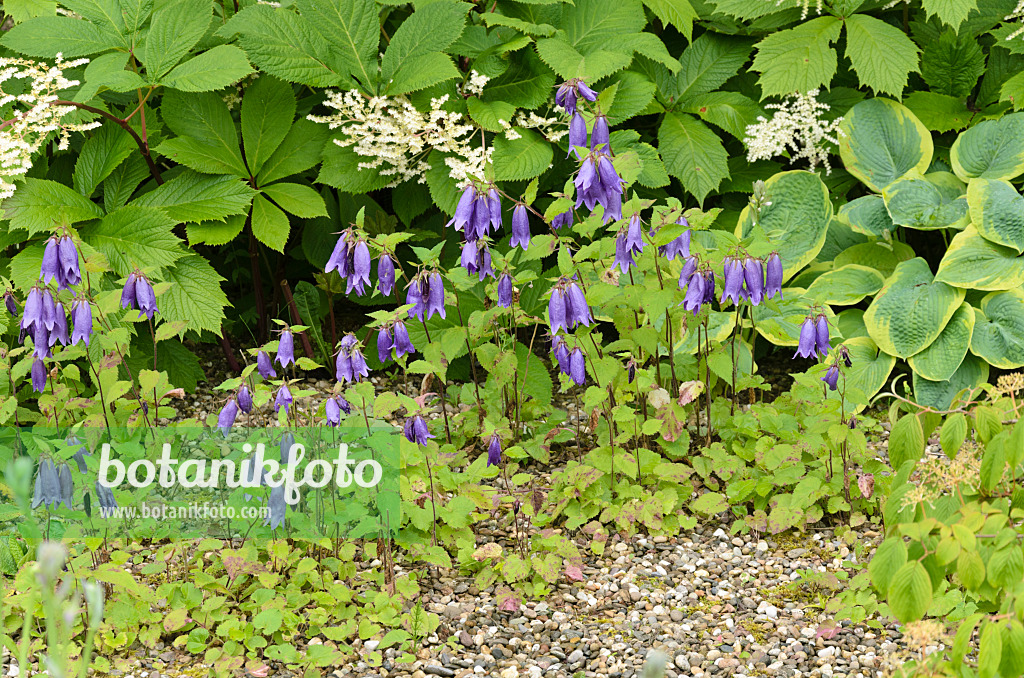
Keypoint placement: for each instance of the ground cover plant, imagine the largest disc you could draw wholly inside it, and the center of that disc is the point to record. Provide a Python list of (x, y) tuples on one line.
[(605, 268)]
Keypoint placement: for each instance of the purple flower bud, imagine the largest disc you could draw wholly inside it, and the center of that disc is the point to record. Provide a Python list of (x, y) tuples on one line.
[(283, 399), (332, 411), (577, 133), (38, 376), (81, 319), (403, 344), (585, 92), (773, 276), (844, 353), (733, 275), (435, 298), (831, 377), (562, 220), (285, 349), (688, 270), (360, 277), (694, 293), (821, 336), (753, 276), (70, 274), (464, 210), (599, 137), (60, 326), (145, 298), (41, 340), (494, 451), (50, 270), (226, 418), (630, 371), (128, 293), (343, 404), (105, 498), (520, 227), (264, 365), (566, 96), (577, 367), (557, 307), (709, 286), (494, 208), (807, 339), (385, 274), (505, 291), (385, 342), (244, 399), (336, 262), (10, 303), (561, 353)]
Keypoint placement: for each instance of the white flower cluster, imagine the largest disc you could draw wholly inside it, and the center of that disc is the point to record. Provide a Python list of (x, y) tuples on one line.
[(796, 126), (553, 129), (475, 85), (1016, 15), (35, 115), (394, 137)]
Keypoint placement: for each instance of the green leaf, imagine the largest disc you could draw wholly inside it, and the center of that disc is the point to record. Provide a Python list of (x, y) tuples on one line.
[(135, 237), (135, 13), (40, 205), (678, 13), (799, 59), (101, 154), (950, 12), (870, 371), (882, 55), (425, 70), (108, 70), (204, 118), (927, 203), (104, 13), (179, 362), (943, 356), (214, 69), (990, 650), (997, 211), (993, 149), (890, 556), (707, 63), (192, 197), (939, 112), (200, 156), (911, 310), (351, 29), (302, 201), (195, 296), (23, 10), (1012, 91), (730, 111), (910, 593), (47, 36), (215, 232), (906, 441), (300, 150), (267, 112), (972, 262), (431, 28), (634, 92), (953, 434), (596, 24), (1006, 566), (523, 158), (693, 154), (175, 29), (882, 141), (122, 182), (797, 220), (939, 394), (488, 113), (710, 503), (341, 169), (867, 215), (563, 59), (998, 335), (526, 83), (952, 64), (269, 224), (284, 45), (845, 286)]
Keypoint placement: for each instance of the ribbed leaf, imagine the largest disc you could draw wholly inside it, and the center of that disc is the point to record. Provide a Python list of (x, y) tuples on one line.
[(39, 204), (267, 112), (798, 59), (693, 154), (522, 158), (351, 29), (429, 29), (882, 55), (214, 69), (175, 29), (46, 36), (192, 197), (300, 150), (269, 224), (302, 201), (101, 154), (135, 237), (195, 296)]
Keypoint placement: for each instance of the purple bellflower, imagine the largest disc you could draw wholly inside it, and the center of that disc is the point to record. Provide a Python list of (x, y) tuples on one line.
[(494, 451), (226, 418), (332, 410), (70, 273), (403, 344), (264, 365), (733, 276), (577, 367), (520, 227), (416, 430), (806, 347), (350, 364), (38, 376), (694, 298), (599, 137), (568, 93), (10, 303), (773, 276), (283, 399), (285, 349), (385, 343), (562, 220), (753, 276), (561, 353), (81, 319), (577, 134), (680, 246), (505, 290), (623, 253), (832, 377), (821, 336), (244, 398), (385, 274), (597, 183)]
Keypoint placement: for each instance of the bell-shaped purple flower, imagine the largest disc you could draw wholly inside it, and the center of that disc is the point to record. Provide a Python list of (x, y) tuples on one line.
[(416, 430), (557, 309), (806, 347), (70, 273), (520, 227), (50, 270), (494, 208), (332, 410), (568, 93), (338, 261), (128, 293), (623, 254), (226, 418), (360, 277), (435, 295), (60, 326), (464, 210), (343, 404), (33, 309), (577, 367), (844, 354), (81, 320), (494, 451), (773, 276), (694, 298), (38, 376), (599, 137), (285, 349), (630, 371), (385, 343), (832, 377), (679, 247), (585, 92), (635, 235), (577, 133), (49, 310), (10, 303), (577, 310), (385, 274), (753, 276), (138, 295), (821, 336), (283, 399), (350, 365), (403, 344), (505, 290), (709, 286), (562, 220), (688, 270), (561, 353), (415, 295), (733, 285), (244, 399), (264, 365), (41, 340)]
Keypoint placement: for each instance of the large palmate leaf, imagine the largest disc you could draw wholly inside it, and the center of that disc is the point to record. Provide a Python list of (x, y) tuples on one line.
[(952, 64), (927, 203), (195, 296), (972, 262), (882, 141), (135, 237), (998, 335), (798, 59), (941, 359), (973, 372), (40, 204), (993, 149), (882, 55), (912, 309), (207, 136), (997, 211), (693, 154), (870, 371), (796, 219)]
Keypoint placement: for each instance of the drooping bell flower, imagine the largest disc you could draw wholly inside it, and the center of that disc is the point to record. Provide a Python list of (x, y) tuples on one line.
[(561, 353), (577, 312), (10, 303), (264, 365), (60, 326), (562, 220), (832, 377), (41, 340), (635, 235), (81, 320), (50, 269), (623, 253), (350, 364), (599, 137), (773, 276), (343, 404), (285, 349), (753, 277), (520, 227), (557, 307), (70, 273), (476, 258), (332, 411), (435, 297), (226, 418), (694, 298), (47, 486), (689, 268), (244, 399), (568, 93), (67, 485), (494, 451), (821, 336), (806, 347), (505, 290), (277, 508), (709, 286), (105, 498), (577, 133), (341, 255), (494, 208), (464, 210), (385, 274), (359, 279), (630, 371), (285, 447), (416, 296), (733, 284), (138, 295), (416, 430), (33, 309), (597, 183), (49, 310), (38, 376), (844, 354), (577, 367), (283, 399), (128, 293), (680, 246), (385, 343), (403, 344)]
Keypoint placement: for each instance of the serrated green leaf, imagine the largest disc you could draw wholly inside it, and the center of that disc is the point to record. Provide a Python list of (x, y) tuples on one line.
[(495, 19), (729, 111), (195, 295), (267, 112), (706, 64), (269, 224), (101, 154), (351, 28), (431, 28), (425, 70), (215, 232), (302, 201), (38, 205), (950, 12), (523, 158), (563, 59), (952, 64), (192, 197), (526, 83), (300, 150), (23, 10), (910, 592), (340, 169), (882, 55), (634, 92), (798, 59), (200, 156), (678, 13), (135, 237), (693, 154), (47, 36), (939, 112), (1012, 91), (175, 29), (108, 70), (487, 114), (214, 69), (204, 118)]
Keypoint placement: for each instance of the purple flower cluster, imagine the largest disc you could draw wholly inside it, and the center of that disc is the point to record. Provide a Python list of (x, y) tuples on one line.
[(629, 241), (567, 307), (350, 364), (476, 258), (416, 430), (570, 91), (426, 294), (570, 363), (813, 337), (393, 337), (351, 259), (333, 408), (478, 212), (60, 262), (680, 246), (597, 183), (138, 295), (751, 279)]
